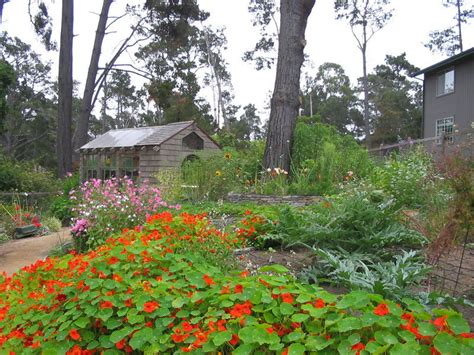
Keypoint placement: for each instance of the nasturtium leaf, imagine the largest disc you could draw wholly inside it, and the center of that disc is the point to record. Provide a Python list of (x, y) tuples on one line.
[(276, 346), (178, 302), (303, 298), (458, 324), (227, 303), (349, 323), (109, 284), (318, 342), (296, 349), (299, 317), (105, 342), (427, 329), (105, 314), (222, 337), (244, 349), (354, 338), (111, 352), (279, 269), (446, 344), (286, 309), (385, 337), (404, 349), (118, 335), (113, 323), (294, 336), (374, 347)]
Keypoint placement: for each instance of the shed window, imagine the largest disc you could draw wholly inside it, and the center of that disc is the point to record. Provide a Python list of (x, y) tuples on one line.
[(130, 166), (193, 141), (445, 126), (91, 166), (110, 167), (445, 83)]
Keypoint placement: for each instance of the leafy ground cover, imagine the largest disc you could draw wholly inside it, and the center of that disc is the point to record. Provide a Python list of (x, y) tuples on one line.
[(155, 289)]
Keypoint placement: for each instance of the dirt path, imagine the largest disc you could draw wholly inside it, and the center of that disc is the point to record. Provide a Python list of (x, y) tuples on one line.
[(15, 254)]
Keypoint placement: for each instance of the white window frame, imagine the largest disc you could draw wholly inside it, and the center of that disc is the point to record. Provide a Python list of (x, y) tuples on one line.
[(446, 89), (444, 126)]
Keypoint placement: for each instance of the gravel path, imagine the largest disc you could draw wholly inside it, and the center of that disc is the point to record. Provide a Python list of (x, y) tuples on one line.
[(17, 253)]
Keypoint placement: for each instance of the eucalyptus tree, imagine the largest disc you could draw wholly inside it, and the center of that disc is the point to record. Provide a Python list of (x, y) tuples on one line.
[(366, 18), (450, 40), (285, 101)]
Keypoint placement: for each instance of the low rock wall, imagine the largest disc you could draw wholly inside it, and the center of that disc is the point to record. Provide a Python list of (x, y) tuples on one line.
[(274, 199)]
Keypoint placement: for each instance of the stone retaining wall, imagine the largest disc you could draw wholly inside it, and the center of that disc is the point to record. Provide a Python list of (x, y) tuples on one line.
[(273, 199)]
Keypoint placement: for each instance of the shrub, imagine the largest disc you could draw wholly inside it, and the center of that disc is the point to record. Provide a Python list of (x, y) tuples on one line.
[(410, 178), (145, 292), (322, 158), (53, 224), (357, 221), (102, 208), (212, 177), (25, 177), (61, 208)]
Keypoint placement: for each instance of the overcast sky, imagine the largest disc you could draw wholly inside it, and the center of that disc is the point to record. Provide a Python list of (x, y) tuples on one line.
[(328, 40)]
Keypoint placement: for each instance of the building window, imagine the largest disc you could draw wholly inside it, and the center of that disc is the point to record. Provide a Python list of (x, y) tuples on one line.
[(130, 166), (445, 126), (445, 83), (91, 166), (110, 167), (193, 141)]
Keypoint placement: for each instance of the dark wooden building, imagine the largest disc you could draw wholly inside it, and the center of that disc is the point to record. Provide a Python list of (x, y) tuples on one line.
[(448, 90), (139, 153)]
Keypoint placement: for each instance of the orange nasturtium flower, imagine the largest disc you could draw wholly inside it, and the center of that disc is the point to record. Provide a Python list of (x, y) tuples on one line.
[(106, 304), (208, 280), (150, 306), (381, 310), (74, 334), (287, 298)]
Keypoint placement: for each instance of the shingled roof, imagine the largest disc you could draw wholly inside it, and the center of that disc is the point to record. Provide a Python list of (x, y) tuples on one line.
[(133, 137)]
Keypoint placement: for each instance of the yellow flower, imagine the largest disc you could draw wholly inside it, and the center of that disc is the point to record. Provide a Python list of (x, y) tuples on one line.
[(227, 156), (218, 173)]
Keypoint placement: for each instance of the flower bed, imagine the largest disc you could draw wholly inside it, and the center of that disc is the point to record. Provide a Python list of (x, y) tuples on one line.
[(162, 288)]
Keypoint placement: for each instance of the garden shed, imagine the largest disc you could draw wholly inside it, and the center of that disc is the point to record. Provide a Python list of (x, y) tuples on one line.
[(140, 153)]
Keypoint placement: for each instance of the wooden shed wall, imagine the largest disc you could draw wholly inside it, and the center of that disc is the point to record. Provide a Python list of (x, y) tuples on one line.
[(172, 153)]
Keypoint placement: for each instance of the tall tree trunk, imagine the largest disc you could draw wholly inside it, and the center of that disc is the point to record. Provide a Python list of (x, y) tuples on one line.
[(365, 82), (285, 100), (458, 4), (64, 142), (82, 127)]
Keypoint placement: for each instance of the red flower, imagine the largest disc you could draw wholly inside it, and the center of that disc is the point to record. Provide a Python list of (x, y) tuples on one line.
[(150, 306), (235, 339), (121, 344), (467, 335), (208, 280), (106, 304), (358, 348), (129, 303), (270, 330), (187, 327), (381, 310), (238, 288), (440, 322), (240, 309), (287, 297), (225, 290), (221, 325), (113, 260), (74, 334), (319, 303)]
